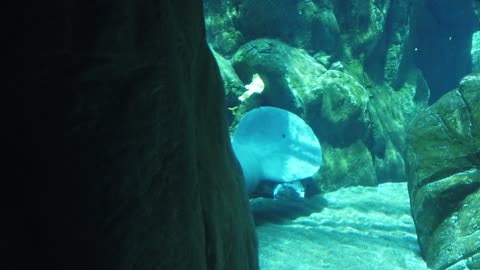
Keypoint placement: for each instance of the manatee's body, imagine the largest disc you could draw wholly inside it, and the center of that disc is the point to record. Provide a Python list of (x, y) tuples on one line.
[(276, 145)]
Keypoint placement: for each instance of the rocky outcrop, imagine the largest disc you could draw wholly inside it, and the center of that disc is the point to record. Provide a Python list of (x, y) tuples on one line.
[(444, 178), (221, 32), (376, 33), (311, 25), (289, 73), (119, 136), (233, 87), (346, 67), (360, 124), (476, 52)]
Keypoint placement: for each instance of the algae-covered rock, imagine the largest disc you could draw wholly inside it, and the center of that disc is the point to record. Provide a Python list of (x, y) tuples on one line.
[(364, 143), (222, 35), (351, 165), (361, 124), (443, 158), (337, 108), (374, 33), (476, 52), (288, 72), (397, 51), (362, 22), (457, 238), (389, 112), (307, 24), (332, 102), (233, 86)]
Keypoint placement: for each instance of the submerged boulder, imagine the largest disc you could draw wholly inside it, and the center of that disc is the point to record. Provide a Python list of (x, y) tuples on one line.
[(289, 73), (337, 108), (307, 24), (443, 158), (361, 124), (476, 52)]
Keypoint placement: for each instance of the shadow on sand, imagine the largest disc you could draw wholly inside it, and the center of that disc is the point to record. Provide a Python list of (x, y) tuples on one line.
[(267, 210)]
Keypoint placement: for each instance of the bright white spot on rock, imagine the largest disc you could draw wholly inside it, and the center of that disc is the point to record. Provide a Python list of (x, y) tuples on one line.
[(256, 86)]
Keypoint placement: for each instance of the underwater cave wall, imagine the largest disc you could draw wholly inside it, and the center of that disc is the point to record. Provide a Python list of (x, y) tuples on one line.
[(345, 66), (115, 119)]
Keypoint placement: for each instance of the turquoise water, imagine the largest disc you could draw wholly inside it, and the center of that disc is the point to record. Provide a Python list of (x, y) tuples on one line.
[(388, 94)]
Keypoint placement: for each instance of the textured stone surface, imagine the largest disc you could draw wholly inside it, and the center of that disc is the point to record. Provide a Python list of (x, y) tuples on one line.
[(351, 228), (398, 48), (365, 45), (337, 107), (120, 136), (476, 52), (376, 33), (307, 24), (289, 73), (363, 22), (360, 124), (444, 177), (345, 166), (233, 86), (220, 19)]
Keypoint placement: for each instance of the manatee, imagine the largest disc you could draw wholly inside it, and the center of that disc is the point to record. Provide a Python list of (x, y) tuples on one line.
[(272, 144)]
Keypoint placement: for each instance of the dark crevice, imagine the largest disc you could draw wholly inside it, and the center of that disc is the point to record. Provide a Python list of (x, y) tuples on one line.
[(445, 128), (451, 200), (469, 110)]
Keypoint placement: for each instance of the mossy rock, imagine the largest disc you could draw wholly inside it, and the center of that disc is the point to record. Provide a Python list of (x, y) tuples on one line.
[(337, 108), (443, 158), (311, 25), (288, 73), (233, 87), (343, 108), (221, 32), (347, 166)]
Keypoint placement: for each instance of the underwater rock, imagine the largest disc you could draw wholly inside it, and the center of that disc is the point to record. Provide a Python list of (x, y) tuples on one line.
[(362, 128), (476, 52), (311, 25), (232, 84), (289, 73), (337, 108), (338, 113), (375, 33), (398, 52), (476, 11), (368, 94), (362, 24), (443, 158), (346, 166), (393, 62), (221, 32), (276, 145), (118, 154)]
